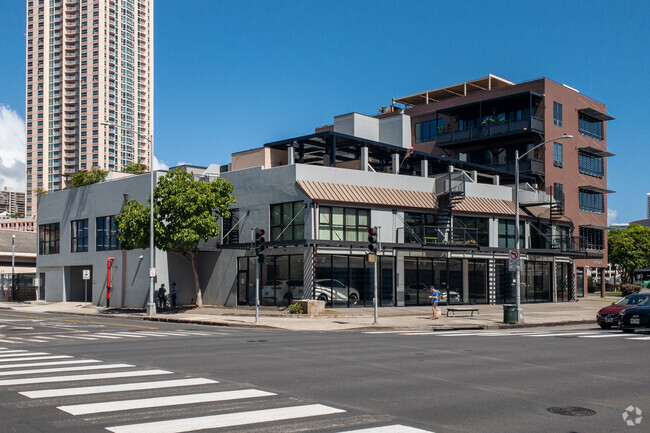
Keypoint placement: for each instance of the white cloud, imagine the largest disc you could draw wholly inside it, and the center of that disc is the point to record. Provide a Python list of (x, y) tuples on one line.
[(612, 214), (12, 149), (159, 165)]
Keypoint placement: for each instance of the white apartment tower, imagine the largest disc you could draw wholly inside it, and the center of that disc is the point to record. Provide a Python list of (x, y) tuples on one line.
[(647, 198), (89, 62)]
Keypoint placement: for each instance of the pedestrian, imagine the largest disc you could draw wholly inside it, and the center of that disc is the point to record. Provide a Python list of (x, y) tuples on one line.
[(434, 295), (172, 292), (162, 294)]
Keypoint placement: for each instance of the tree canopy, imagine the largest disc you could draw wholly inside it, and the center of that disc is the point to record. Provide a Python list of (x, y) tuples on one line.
[(83, 178), (135, 168), (186, 211), (629, 249)]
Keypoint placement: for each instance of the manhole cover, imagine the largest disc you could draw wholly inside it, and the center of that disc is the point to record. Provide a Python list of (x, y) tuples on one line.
[(571, 411)]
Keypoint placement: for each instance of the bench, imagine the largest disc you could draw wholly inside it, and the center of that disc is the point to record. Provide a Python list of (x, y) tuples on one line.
[(453, 311)]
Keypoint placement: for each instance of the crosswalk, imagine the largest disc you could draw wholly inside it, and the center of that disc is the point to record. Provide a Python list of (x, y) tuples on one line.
[(123, 398), (80, 336), (591, 334)]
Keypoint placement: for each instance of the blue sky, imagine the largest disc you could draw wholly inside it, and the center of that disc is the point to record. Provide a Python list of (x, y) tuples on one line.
[(231, 76)]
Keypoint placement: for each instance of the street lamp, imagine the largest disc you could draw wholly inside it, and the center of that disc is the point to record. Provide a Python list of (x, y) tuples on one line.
[(520, 315), (151, 306)]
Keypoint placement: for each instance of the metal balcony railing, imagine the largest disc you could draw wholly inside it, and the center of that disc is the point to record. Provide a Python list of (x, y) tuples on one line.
[(488, 128)]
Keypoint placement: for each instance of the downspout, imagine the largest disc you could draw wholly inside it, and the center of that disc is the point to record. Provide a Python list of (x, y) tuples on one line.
[(109, 262)]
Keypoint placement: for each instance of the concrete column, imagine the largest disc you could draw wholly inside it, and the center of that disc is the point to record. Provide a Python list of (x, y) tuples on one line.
[(602, 282), (475, 176), (554, 281), (399, 280), (364, 158), (424, 168), (291, 155), (496, 179), (465, 281), (395, 163)]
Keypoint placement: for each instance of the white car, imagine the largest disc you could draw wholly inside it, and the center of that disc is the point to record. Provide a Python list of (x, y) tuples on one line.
[(279, 291), (327, 289)]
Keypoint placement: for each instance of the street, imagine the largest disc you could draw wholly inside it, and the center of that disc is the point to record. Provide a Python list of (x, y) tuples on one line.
[(79, 374)]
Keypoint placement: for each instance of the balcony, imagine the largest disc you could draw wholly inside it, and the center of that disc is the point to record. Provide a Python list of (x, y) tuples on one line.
[(490, 130), (526, 166)]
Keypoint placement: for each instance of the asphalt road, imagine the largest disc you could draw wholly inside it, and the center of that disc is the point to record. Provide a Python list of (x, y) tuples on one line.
[(148, 376)]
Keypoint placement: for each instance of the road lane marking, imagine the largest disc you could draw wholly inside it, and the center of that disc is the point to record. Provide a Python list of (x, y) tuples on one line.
[(129, 335), (54, 379), (227, 420), (80, 321), (13, 355), (144, 403), (86, 390), (14, 351), (35, 358), (43, 364), (397, 428), (75, 337), (603, 335), (638, 338), (64, 369)]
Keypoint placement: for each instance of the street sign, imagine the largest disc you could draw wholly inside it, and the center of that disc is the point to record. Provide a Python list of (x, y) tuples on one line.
[(86, 274), (152, 272), (513, 260), (372, 257)]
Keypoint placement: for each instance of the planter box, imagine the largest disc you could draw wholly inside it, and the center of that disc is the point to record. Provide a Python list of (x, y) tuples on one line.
[(311, 306)]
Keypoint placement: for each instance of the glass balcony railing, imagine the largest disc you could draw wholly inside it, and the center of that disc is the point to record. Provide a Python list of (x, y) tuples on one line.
[(490, 128)]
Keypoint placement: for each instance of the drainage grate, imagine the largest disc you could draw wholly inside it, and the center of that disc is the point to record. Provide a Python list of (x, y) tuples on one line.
[(571, 411)]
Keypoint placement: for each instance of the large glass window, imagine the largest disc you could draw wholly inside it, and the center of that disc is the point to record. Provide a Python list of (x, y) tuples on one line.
[(107, 234), (590, 164), (557, 113), (590, 201), (557, 155), (79, 237), (507, 234), (287, 221), (343, 224), (472, 230), (48, 238), (590, 127), (421, 228), (591, 238), (343, 280), (426, 131)]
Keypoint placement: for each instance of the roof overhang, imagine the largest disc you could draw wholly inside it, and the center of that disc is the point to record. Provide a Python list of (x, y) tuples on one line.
[(598, 115), (593, 226), (598, 189), (596, 151)]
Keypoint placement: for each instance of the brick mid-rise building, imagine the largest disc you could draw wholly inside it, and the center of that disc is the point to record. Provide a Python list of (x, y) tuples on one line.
[(89, 62)]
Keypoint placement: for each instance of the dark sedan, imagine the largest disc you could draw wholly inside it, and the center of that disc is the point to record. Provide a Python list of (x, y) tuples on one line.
[(608, 316), (635, 319)]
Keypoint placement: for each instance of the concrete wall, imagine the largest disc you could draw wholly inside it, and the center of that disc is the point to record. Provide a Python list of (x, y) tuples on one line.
[(357, 125), (395, 130)]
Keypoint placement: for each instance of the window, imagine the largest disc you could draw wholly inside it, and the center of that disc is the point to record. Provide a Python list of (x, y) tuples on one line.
[(79, 237), (590, 127), (107, 234), (48, 238), (230, 234), (591, 239), (590, 201), (290, 218), (507, 234), (426, 131), (558, 193), (422, 227), (557, 114), (471, 229), (343, 224), (590, 164), (557, 154)]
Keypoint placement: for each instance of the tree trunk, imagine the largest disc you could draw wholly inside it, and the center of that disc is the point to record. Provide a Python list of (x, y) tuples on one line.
[(195, 274)]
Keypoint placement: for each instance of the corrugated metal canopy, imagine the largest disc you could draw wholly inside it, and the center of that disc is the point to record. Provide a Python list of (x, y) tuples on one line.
[(485, 206), (364, 195)]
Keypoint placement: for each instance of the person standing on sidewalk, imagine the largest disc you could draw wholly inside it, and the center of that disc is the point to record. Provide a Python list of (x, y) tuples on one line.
[(172, 292), (162, 294), (434, 295)]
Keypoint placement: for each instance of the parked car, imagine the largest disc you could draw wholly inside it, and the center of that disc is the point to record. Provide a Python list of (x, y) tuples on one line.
[(411, 293), (326, 289), (279, 291), (635, 319), (608, 316)]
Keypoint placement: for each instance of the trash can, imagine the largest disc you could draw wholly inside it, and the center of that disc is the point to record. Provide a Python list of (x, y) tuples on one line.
[(509, 313)]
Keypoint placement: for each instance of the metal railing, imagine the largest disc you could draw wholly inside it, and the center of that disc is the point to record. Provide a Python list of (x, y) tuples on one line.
[(490, 128)]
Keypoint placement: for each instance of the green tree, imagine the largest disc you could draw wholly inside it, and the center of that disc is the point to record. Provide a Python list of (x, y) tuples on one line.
[(135, 168), (630, 249), (83, 178), (186, 211)]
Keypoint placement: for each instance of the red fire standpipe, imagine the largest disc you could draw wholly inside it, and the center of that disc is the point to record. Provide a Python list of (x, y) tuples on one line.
[(109, 262)]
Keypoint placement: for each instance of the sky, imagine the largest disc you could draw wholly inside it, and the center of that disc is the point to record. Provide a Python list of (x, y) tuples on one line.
[(231, 76)]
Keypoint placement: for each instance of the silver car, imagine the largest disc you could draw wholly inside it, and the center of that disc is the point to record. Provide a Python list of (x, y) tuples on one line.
[(326, 289)]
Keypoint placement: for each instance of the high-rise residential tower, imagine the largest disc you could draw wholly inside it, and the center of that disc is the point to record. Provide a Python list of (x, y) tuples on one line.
[(647, 197), (88, 62)]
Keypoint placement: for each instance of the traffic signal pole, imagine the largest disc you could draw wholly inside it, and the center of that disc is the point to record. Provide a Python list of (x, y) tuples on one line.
[(373, 240), (258, 244)]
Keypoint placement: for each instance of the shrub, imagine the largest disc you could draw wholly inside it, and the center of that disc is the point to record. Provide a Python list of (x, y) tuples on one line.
[(628, 289), (295, 309)]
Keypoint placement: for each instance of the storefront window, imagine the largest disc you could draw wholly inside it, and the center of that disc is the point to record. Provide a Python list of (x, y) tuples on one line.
[(507, 234), (343, 224), (287, 221)]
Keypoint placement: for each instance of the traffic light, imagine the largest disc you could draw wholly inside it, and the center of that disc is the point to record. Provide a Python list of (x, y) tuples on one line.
[(372, 239), (259, 245)]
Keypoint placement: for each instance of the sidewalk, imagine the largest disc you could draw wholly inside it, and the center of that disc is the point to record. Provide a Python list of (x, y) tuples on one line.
[(416, 318)]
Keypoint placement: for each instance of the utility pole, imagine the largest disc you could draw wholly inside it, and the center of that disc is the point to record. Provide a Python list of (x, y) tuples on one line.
[(13, 270)]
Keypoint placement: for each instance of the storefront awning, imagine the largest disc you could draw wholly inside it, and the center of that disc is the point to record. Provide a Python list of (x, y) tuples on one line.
[(595, 114), (593, 188), (595, 151), (480, 205), (323, 192)]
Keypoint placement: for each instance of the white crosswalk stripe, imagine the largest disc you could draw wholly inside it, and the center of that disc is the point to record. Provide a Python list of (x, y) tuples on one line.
[(63, 369), (102, 389), (48, 363), (78, 377), (6, 357), (506, 333), (397, 428), (228, 420), (116, 335), (35, 358)]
